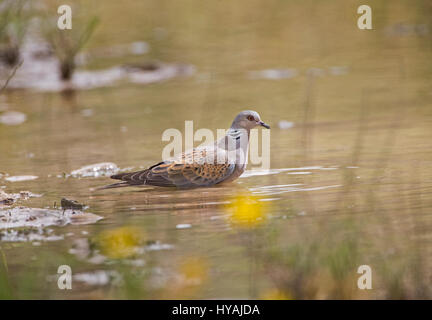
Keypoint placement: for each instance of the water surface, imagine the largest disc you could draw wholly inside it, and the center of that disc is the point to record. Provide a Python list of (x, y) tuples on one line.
[(351, 176)]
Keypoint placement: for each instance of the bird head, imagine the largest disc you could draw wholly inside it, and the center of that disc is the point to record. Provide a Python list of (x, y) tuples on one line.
[(248, 120)]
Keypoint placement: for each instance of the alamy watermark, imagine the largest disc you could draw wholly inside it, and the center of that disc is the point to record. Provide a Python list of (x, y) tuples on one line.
[(234, 146), (365, 280), (365, 20), (65, 19), (64, 280)]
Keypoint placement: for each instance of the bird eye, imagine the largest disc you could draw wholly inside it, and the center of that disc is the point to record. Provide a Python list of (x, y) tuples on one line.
[(251, 118)]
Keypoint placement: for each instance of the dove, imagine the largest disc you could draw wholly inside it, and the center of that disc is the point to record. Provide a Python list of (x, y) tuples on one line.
[(204, 166)]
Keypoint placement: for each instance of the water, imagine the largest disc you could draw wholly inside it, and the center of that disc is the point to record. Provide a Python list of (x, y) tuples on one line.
[(352, 171)]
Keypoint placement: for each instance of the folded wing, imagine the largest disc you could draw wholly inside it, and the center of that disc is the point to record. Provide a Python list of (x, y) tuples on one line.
[(197, 168)]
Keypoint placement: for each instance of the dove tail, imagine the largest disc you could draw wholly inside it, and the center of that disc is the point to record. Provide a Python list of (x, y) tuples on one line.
[(115, 185), (120, 176)]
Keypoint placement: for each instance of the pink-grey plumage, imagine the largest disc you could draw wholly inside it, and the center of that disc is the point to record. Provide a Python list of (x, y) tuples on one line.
[(202, 166)]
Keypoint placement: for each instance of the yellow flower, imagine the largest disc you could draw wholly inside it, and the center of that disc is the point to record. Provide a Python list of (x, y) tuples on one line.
[(120, 243), (275, 294), (190, 277), (246, 211), (194, 270)]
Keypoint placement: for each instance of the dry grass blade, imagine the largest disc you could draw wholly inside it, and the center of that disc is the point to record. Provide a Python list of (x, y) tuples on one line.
[(11, 75)]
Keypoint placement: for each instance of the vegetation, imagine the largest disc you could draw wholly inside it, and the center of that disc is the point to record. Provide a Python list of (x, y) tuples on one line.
[(68, 43), (14, 21)]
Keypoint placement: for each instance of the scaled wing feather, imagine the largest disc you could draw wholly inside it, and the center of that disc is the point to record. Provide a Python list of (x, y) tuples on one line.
[(199, 167)]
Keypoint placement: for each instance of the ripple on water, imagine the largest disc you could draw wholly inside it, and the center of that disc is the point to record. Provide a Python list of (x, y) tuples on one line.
[(284, 188), (300, 170)]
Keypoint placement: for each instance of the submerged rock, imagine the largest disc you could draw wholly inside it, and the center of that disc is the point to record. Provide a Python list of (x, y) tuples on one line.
[(12, 118), (28, 235), (274, 74), (183, 226), (38, 218), (20, 178), (71, 204), (284, 124), (280, 74), (403, 29), (96, 170), (150, 73), (7, 199), (98, 277)]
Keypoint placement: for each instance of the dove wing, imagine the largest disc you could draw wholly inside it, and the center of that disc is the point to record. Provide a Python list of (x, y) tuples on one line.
[(199, 167)]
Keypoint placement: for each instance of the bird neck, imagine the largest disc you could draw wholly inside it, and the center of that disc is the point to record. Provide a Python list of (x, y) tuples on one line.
[(235, 138), (235, 132)]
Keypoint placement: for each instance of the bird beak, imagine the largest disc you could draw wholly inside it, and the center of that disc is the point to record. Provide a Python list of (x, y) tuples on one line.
[(263, 124)]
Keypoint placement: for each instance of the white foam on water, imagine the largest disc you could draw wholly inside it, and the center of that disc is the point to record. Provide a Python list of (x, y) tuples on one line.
[(183, 226), (20, 178)]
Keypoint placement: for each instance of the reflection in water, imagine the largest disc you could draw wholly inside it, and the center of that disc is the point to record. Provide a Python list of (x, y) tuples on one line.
[(246, 211), (256, 172), (39, 71), (98, 278), (187, 279), (275, 294), (120, 243)]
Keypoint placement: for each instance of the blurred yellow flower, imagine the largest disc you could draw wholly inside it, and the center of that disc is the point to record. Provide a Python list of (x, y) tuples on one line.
[(275, 294), (246, 211), (194, 270), (189, 279), (120, 242)]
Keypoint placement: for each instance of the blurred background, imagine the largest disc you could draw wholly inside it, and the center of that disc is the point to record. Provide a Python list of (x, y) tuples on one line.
[(350, 180)]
